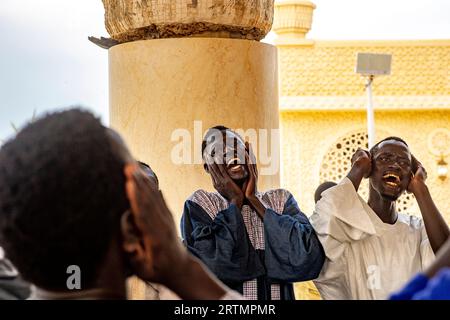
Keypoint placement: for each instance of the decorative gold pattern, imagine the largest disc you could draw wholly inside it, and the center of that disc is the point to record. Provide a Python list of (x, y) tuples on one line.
[(439, 142), (419, 68)]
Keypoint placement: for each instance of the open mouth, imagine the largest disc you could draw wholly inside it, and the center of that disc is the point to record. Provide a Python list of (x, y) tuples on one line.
[(234, 165), (392, 179)]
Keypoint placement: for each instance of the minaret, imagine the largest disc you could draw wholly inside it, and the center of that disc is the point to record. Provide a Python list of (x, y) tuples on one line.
[(293, 20)]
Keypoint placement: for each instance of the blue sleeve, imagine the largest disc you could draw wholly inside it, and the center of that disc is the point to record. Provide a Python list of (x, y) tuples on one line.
[(417, 284), (420, 288), (293, 251), (222, 244), (438, 288)]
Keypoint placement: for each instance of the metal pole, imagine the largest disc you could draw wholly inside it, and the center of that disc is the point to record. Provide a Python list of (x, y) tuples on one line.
[(370, 113)]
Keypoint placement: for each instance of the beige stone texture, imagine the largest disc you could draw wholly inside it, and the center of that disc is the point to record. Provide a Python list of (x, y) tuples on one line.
[(159, 86)]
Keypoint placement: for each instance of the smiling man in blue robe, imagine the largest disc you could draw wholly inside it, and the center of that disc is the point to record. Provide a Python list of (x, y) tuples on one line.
[(258, 243)]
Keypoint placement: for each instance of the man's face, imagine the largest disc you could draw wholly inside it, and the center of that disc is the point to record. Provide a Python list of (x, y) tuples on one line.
[(391, 169), (229, 151)]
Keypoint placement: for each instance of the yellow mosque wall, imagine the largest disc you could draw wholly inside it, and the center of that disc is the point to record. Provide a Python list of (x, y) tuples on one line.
[(323, 108), (322, 100), (327, 68), (307, 136)]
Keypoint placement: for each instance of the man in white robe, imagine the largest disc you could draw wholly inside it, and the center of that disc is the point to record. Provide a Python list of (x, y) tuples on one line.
[(371, 250)]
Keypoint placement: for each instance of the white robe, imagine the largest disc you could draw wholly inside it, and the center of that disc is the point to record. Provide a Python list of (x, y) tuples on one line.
[(366, 258)]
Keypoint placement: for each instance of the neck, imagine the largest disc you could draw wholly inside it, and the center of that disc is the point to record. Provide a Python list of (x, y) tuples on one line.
[(384, 208), (112, 276), (110, 283), (111, 279)]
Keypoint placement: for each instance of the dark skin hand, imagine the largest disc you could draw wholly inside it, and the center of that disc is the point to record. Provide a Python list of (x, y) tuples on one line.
[(250, 185), (229, 189), (158, 256), (361, 167), (414, 182), (225, 185), (442, 260), (437, 229)]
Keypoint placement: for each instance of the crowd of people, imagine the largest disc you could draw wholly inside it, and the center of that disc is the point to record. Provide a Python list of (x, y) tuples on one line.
[(71, 194)]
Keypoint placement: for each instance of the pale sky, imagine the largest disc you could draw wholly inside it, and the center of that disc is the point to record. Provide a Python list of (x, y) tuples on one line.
[(46, 61)]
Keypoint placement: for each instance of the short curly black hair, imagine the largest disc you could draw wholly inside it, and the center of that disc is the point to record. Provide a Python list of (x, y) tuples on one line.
[(62, 193), (375, 148), (212, 131)]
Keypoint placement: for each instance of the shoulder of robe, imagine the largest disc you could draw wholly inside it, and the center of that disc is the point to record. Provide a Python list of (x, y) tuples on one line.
[(413, 222), (277, 193), (211, 202), (275, 199), (201, 196)]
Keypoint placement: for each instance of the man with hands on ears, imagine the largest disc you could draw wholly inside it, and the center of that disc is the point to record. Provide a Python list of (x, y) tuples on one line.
[(371, 249)]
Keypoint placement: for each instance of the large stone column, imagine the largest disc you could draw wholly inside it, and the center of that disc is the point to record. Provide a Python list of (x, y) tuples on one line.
[(160, 88), (195, 69), (180, 67)]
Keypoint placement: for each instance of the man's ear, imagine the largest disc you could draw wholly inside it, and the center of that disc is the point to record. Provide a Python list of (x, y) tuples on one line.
[(131, 236), (136, 248)]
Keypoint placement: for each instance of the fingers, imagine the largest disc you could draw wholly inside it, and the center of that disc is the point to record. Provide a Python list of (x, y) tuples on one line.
[(250, 153), (252, 156), (217, 170), (251, 159), (414, 164), (223, 171), (360, 153), (254, 165), (215, 173), (356, 155), (251, 167), (244, 186), (422, 172), (417, 167), (130, 186), (141, 192), (208, 158), (366, 153), (213, 176)]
